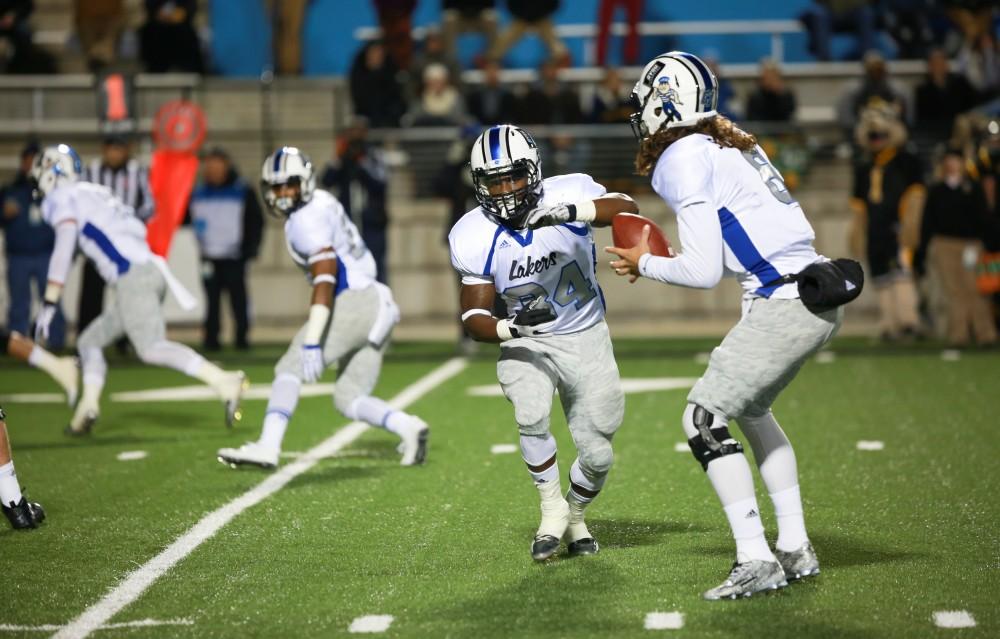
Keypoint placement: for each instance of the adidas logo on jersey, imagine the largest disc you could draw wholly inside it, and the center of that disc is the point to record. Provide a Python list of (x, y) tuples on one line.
[(503, 244)]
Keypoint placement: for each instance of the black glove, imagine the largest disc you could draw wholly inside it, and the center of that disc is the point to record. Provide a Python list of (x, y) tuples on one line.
[(533, 319)]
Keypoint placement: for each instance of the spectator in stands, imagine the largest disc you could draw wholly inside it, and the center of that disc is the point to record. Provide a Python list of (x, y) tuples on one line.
[(440, 103), (462, 16), (605, 13), (941, 97), (979, 61), (375, 88), (491, 102), (168, 39), (229, 226), (876, 87), (536, 16), (909, 24), (826, 17), (287, 17), (953, 228), (28, 244), (888, 200), (128, 179), (727, 106), (433, 51), (357, 175), (99, 24), (772, 100), (550, 101), (396, 19), (18, 54), (611, 101)]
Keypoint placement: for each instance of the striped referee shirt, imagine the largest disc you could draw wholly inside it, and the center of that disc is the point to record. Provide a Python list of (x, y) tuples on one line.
[(129, 183)]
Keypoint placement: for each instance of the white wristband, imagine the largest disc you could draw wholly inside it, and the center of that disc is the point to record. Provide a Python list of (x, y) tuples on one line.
[(472, 312), (503, 330), (324, 277), (643, 261), (319, 317), (52, 292), (586, 211)]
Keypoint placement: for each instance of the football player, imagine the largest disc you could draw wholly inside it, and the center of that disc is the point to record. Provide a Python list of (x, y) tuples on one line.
[(530, 240), (20, 512), (89, 217), (352, 334), (62, 369), (734, 216)]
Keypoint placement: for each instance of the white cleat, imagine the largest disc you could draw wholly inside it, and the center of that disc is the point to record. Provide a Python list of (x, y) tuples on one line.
[(414, 442), (555, 521), (67, 373), (231, 390), (84, 418), (249, 454)]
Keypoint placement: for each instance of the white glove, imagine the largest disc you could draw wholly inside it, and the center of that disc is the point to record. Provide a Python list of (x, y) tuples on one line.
[(551, 215), (312, 362), (42, 322)]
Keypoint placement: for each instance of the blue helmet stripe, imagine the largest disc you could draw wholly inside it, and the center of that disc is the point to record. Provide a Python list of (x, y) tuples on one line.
[(706, 75), (495, 143), (277, 159)]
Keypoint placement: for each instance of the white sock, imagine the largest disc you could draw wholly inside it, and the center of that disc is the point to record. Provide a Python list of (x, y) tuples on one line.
[(744, 519), (42, 359), (730, 476), (10, 491), (378, 413), (280, 408), (92, 387), (791, 522)]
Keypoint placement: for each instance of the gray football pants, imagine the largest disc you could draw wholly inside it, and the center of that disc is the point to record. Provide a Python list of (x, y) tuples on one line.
[(346, 345), (136, 313), (761, 355), (582, 367)]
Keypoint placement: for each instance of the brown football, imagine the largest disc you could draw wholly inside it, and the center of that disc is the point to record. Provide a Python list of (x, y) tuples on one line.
[(626, 231)]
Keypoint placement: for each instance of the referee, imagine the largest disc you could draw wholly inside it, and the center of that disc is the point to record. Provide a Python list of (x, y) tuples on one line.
[(128, 179)]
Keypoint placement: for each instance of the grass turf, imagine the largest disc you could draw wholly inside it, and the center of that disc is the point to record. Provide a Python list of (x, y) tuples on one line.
[(901, 533)]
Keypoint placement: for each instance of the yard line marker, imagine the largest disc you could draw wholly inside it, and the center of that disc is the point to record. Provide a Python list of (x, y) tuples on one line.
[(132, 587), (702, 358), (629, 386), (951, 355), (503, 449), (664, 620), (33, 398), (140, 623), (682, 447), (954, 619), (291, 454), (131, 455), (871, 445), (371, 623), (825, 357)]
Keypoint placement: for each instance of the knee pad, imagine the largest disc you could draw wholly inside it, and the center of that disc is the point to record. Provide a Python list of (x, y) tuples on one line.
[(712, 439), (532, 421), (596, 458)]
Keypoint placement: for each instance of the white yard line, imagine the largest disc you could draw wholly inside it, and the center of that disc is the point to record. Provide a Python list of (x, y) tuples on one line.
[(951, 355), (826, 357), (629, 386), (371, 623), (503, 449), (131, 455), (865, 444), (664, 620), (954, 619), (132, 587), (140, 623), (682, 447)]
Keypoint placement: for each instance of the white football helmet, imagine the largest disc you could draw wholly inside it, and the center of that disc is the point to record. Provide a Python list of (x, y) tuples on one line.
[(506, 154), (55, 166), (675, 89), (287, 165)]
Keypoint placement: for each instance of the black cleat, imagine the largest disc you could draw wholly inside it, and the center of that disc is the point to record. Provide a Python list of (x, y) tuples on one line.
[(544, 547), (584, 546), (24, 514)]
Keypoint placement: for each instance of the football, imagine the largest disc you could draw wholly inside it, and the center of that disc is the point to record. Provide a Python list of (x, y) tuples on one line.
[(626, 230)]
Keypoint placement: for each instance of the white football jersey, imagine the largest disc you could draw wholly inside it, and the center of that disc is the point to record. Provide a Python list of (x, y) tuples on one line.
[(765, 233), (108, 232), (554, 262), (322, 223)]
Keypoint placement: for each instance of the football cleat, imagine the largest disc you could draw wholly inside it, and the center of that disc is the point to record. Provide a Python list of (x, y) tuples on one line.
[(583, 546), (249, 454), (414, 443), (84, 418), (24, 514), (231, 391), (67, 373), (798, 563), (748, 578), (543, 547)]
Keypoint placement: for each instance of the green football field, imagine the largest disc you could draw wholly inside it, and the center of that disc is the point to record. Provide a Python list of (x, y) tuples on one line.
[(902, 532)]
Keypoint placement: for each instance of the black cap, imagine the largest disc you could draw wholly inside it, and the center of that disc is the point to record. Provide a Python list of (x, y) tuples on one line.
[(116, 139), (31, 147), (216, 152)]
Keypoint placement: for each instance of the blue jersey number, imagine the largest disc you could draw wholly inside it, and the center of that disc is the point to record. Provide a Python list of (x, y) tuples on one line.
[(573, 288)]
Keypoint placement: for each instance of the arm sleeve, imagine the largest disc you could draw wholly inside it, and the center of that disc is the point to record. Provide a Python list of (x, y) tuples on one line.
[(699, 264), (685, 178), (253, 225), (62, 253)]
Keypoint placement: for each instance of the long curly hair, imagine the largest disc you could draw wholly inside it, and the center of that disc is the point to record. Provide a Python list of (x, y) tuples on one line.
[(718, 127)]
